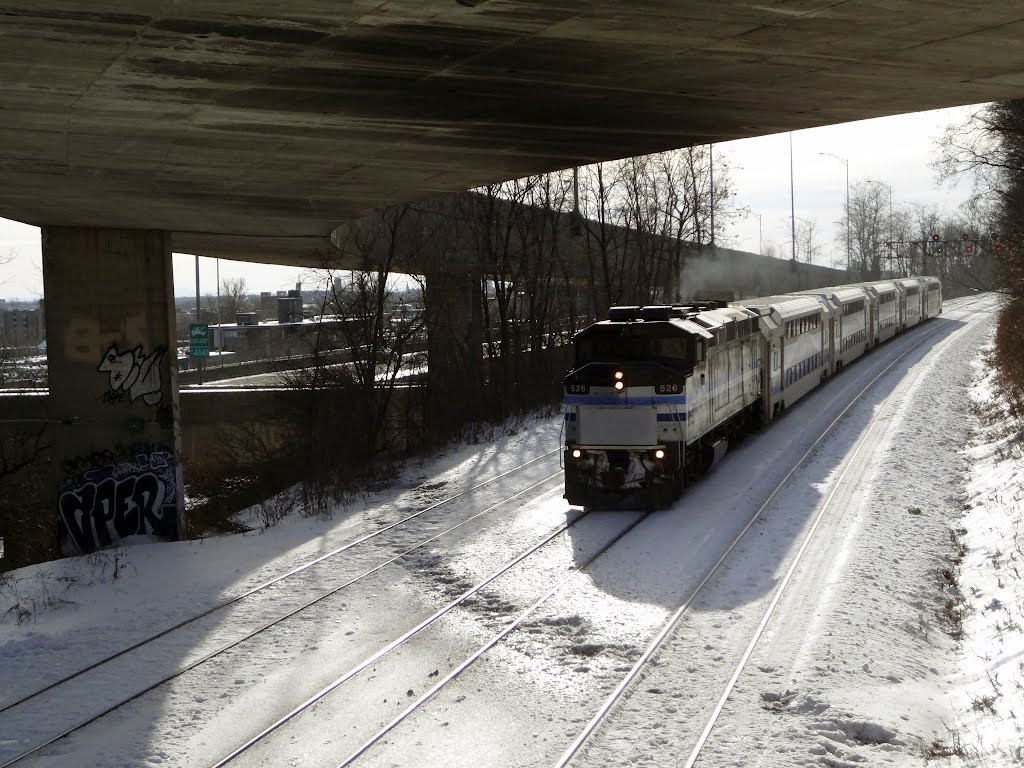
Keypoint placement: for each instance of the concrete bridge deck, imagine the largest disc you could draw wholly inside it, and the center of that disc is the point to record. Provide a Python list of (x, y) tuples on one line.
[(251, 130)]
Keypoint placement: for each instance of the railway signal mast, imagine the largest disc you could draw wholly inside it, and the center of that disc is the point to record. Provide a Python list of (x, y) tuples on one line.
[(901, 253)]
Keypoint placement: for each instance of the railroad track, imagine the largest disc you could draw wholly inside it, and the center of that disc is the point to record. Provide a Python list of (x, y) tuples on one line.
[(627, 684), (515, 622), (60, 687), (261, 739)]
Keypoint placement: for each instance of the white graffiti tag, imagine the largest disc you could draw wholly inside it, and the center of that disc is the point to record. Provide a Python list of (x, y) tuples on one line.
[(134, 374)]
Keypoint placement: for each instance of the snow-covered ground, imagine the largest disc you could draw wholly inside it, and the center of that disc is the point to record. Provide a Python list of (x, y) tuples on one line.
[(988, 688), (857, 665)]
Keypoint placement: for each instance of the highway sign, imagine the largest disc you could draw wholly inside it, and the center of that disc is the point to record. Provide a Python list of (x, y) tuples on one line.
[(198, 340)]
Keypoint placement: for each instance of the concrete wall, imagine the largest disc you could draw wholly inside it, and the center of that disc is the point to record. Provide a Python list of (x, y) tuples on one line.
[(728, 274)]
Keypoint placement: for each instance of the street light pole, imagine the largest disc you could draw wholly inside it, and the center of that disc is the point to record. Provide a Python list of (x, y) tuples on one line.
[(849, 249), (792, 201)]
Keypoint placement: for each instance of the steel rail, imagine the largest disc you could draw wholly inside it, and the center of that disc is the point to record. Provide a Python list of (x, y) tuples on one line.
[(373, 659), (675, 618), (264, 627), (260, 587), (511, 627), (755, 639)]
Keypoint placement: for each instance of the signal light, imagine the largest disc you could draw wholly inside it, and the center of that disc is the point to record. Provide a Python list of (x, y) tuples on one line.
[(970, 249), (998, 247), (935, 238), (618, 375), (577, 453), (619, 385), (659, 454), (965, 237)]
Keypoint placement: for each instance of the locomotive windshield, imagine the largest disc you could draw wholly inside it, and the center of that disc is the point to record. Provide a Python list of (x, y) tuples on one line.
[(622, 343)]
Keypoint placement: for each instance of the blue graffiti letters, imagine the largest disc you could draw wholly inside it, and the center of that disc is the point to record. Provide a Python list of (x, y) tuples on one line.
[(120, 500)]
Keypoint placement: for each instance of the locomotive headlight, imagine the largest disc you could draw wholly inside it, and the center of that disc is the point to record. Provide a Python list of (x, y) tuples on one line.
[(659, 454), (619, 385), (577, 453)]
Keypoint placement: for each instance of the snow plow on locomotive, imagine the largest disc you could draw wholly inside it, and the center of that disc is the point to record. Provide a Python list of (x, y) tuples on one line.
[(657, 394)]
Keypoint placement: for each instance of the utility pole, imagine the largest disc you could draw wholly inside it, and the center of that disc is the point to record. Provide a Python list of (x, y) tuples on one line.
[(199, 363), (220, 321), (711, 157)]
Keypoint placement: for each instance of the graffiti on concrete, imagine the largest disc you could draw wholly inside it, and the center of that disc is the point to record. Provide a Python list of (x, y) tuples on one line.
[(133, 374), (86, 462), (133, 496)]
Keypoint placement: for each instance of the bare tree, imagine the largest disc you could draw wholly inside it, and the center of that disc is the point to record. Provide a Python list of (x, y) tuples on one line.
[(807, 246), (868, 226), (988, 149), (234, 298)]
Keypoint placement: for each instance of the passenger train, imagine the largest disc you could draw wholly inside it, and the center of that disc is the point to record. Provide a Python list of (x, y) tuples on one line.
[(658, 393)]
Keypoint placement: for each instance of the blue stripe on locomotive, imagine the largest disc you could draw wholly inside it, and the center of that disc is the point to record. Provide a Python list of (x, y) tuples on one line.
[(624, 400)]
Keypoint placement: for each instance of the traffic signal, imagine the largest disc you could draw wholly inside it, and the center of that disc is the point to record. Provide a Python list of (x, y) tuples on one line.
[(935, 238), (965, 237), (970, 248)]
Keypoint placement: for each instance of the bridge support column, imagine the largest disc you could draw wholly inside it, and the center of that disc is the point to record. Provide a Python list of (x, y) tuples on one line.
[(454, 321), (110, 338)]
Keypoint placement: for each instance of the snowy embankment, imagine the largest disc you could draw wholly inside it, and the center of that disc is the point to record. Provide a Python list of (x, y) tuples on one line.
[(989, 689)]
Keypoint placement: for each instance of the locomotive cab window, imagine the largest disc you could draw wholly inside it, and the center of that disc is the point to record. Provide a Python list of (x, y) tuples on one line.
[(610, 344)]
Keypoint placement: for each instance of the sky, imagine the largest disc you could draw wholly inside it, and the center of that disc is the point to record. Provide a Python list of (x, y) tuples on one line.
[(894, 150)]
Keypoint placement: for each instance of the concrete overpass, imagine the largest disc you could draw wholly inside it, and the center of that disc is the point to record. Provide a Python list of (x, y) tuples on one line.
[(253, 130), (250, 130)]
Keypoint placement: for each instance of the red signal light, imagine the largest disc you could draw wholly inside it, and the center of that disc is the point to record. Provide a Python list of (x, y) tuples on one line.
[(970, 248), (998, 247), (935, 237)]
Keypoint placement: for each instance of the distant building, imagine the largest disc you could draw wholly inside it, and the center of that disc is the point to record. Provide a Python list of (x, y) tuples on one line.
[(283, 306), (22, 325)]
